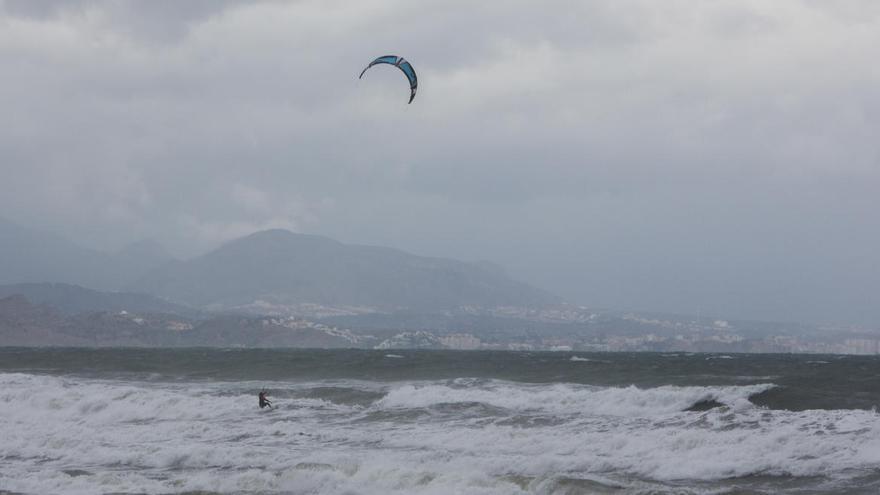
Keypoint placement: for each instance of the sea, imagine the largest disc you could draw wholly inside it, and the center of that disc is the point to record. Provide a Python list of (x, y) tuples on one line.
[(187, 421)]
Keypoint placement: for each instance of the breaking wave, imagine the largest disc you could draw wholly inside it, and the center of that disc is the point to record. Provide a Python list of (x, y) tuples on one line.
[(571, 399), (64, 435)]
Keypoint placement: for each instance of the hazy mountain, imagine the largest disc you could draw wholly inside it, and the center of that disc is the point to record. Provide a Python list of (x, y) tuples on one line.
[(33, 256), (142, 257), (277, 265), (72, 299), (28, 255)]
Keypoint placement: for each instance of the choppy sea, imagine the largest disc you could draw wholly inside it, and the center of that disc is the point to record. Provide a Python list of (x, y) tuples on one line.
[(160, 421)]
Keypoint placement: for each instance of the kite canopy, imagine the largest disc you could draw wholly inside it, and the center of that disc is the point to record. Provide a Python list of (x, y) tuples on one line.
[(401, 64)]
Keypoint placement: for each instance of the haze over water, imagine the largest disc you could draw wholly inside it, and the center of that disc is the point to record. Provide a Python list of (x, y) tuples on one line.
[(172, 421)]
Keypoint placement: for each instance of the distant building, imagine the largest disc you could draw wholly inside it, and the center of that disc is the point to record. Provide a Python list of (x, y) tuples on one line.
[(179, 326), (411, 340), (559, 348), (515, 346), (462, 341), (861, 346)]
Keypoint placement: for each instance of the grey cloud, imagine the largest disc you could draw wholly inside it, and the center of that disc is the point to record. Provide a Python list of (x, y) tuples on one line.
[(154, 20), (716, 155)]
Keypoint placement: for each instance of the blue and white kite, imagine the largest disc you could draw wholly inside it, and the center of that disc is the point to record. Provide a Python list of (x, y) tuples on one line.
[(401, 64)]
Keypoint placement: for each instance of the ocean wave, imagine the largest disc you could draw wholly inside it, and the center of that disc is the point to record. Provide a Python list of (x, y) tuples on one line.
[(147, 437), (570, 398)]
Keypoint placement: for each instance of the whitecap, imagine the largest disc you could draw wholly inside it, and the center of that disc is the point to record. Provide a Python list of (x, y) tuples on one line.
[(569, 398), (148, 437)]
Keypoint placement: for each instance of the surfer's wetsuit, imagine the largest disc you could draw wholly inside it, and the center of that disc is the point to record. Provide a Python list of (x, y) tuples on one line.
[(264, 402)]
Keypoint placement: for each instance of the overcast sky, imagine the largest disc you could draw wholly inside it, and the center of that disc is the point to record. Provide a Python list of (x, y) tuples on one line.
[(681, 156)]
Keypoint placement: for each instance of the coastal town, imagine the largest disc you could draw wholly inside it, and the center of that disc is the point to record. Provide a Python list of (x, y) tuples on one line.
[(576, 328), (547, 328)]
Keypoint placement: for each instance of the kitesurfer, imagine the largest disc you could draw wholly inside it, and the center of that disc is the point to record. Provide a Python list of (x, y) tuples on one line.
[(264, 402)]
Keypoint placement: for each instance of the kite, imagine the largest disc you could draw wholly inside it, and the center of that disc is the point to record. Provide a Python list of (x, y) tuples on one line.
[(401, 64)]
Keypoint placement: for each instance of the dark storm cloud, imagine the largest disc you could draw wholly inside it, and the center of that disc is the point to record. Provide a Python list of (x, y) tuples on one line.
[(679, 156)]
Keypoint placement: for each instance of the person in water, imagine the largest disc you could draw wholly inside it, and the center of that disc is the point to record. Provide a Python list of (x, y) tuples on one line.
[(264, 402)]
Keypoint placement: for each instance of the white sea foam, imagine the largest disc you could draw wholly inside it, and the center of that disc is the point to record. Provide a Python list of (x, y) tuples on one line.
[(580, 359), (153, 437), (571, 399)]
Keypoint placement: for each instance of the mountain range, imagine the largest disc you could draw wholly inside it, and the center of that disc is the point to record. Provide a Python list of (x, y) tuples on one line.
[(273, 267), (34, 256), (280, 289)]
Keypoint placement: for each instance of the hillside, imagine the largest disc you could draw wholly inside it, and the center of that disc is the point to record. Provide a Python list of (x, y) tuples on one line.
[(283, 267), (24, 324), (30, 255), (73, 299)]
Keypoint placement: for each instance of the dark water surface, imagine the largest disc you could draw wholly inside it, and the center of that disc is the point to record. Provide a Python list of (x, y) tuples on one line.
[(803, 381)]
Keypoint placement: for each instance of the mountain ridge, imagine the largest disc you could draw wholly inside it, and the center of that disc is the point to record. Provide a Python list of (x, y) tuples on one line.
[(304, 268), (276, 268), (29, 255)]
